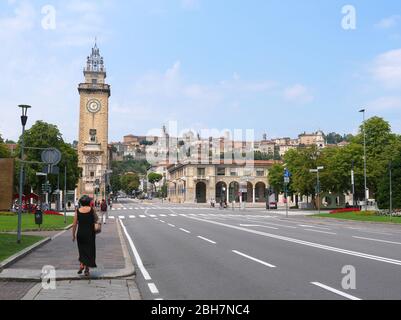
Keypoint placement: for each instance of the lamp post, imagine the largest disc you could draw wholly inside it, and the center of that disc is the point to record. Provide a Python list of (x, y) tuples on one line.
[(24, 120), (317, 170), (363, 111), (391, 191)]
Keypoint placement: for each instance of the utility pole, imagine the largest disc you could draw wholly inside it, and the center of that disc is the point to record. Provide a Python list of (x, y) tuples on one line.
[(364, 159), (353, 184), (24, 120), (391, 192), (65, 194), (317, 170)]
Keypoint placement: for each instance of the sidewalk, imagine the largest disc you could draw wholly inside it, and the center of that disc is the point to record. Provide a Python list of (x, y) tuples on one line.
[(113, 279)]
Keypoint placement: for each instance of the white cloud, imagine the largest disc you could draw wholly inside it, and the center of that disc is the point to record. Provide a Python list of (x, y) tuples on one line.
[(298, 93), (387, 69), (389, 22)]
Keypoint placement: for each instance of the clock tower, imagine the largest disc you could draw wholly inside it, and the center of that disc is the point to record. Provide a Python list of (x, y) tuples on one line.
[(93, 127)]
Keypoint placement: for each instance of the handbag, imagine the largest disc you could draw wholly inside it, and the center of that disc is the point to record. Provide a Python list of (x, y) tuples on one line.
[(98, 228)]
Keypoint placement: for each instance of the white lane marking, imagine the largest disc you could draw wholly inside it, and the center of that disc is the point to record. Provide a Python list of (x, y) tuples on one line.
[(378, 240), (162, 215), (122, 217), (274, 224), (340, 293), (206, 239), (173, 215), (153, 288), (162, 221), (306, 243), (142, 216), (320, 231), (152, 216), (132, 217), (130, 208), (171, 225), (112, 218), (254, 259), (256, 225), (307, 226), (138, 259), (186, 231)]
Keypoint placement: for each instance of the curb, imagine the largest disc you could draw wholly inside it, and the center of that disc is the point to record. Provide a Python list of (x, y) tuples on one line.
[(360, 221), (26, 275), (22, 254)]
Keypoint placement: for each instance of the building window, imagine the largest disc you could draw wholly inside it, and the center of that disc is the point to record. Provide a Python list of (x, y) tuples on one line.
[(221, 171), (92, 174), (233, 172), (201, 172), (94, 81), (260, 173)]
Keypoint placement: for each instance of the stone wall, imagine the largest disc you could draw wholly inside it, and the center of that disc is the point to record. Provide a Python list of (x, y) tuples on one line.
[(6, 183)]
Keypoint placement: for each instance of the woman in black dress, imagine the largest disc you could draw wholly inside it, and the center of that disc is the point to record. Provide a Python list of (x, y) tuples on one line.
[(85, 219)]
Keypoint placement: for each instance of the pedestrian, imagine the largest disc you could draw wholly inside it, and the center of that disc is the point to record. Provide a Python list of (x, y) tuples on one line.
[(103, 210), (85, 221)]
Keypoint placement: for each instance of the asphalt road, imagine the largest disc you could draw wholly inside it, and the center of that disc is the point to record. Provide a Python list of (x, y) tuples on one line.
[(184, 252)]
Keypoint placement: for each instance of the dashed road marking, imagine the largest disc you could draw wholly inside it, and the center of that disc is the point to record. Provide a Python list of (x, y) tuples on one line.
[(207, 240), (340, 293), (254, 259), (186, 231), (377, 240), (153, 288), (320, 231)]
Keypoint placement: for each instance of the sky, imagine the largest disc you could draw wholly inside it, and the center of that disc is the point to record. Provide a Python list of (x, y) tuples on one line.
[(280, 67)]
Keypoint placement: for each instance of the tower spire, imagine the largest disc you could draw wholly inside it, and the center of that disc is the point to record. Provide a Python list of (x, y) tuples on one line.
[(95, 61)]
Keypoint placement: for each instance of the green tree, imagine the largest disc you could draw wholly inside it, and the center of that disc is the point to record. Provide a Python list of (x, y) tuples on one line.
[(45, 135), (153, 178), (380, 146), (130, 182), (276, 178), (4, 151), (383, 194), (299, 162)]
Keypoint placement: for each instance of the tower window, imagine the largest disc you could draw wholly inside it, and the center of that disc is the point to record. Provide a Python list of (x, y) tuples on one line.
[(94, 81)]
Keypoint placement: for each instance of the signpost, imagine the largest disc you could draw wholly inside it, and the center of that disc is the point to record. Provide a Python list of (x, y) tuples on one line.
[(287, 176)]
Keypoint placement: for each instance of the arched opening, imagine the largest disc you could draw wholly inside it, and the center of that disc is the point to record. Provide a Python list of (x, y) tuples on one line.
[(260, 192), (250, 192), (201, 192), (234, 191), (221, 192)]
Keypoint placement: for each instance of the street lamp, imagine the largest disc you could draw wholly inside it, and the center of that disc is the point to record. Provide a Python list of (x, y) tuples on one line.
[(24, 120), (317, 170), (363, 111)]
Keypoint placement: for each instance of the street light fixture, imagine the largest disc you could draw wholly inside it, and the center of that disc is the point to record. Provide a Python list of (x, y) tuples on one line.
[(363, 111), (317, 170), (24, 120)]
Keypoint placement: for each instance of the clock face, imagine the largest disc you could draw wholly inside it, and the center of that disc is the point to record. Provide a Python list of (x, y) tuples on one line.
[(93, 106)]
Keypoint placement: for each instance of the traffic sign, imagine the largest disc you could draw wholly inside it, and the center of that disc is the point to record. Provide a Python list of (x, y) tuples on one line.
[(51, 156)]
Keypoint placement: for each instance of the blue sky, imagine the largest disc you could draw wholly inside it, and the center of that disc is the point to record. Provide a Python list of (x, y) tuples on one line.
[(279, 67)]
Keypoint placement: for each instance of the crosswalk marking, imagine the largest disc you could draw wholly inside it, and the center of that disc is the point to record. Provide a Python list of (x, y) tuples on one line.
[(122, 217), (132, 217), (142, 216)]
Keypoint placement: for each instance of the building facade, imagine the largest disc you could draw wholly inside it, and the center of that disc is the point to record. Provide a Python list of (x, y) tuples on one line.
[(93, 153), (200, 183)]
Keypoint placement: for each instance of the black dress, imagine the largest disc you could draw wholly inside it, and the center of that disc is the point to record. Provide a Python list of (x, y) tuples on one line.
[(86, 239)]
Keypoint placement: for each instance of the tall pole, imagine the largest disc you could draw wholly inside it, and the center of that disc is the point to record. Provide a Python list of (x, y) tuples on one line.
[(21, 186), (318, 191), (65, 194), (391, 192), (364, 160), (353, 184), (24, 120)]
